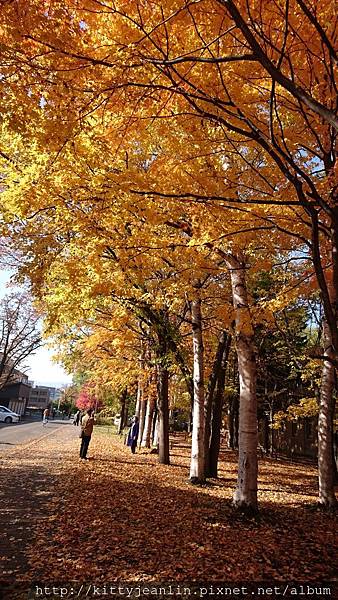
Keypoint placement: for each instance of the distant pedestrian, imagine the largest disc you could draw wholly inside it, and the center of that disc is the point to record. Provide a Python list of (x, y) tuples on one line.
[(77, 417), (133, 434), (45, 416), (87, 425)]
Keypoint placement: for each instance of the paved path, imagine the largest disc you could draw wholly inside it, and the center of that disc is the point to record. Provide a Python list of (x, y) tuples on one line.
[(18, 434), (27, 494)]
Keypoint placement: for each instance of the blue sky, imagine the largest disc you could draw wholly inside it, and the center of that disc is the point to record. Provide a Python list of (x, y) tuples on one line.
[(40, 369)]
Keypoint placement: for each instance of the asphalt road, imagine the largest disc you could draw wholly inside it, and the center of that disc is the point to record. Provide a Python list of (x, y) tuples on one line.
[(18, 434)]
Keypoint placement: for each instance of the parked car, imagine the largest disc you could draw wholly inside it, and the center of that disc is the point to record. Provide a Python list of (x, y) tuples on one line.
[(8, 416)]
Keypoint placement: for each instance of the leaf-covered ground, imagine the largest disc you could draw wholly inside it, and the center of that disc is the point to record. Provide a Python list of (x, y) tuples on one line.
[(123, 517)]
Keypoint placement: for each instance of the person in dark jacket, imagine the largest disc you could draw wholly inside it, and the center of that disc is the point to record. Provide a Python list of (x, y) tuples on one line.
[(133, 434)]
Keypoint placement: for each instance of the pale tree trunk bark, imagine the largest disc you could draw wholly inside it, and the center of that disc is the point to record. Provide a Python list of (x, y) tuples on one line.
[(198, 463), (146, 439), (163, 416), (155, 428), (142, 413), (140, 382), (245, 495), (163, 399), (329, 294), (139, 397), (325, 429)]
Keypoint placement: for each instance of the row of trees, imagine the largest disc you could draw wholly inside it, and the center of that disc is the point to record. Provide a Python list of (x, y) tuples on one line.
[(158, 159)]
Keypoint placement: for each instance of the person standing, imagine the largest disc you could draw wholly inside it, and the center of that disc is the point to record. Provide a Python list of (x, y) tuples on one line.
[(45, 416), (77, 416), (133, 434), (87, 425)]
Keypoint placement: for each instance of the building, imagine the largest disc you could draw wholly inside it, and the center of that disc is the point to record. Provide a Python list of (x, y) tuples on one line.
[(15, 396), (40, 397), (10, 375), (14, 389), (297, 438), (55, 395)]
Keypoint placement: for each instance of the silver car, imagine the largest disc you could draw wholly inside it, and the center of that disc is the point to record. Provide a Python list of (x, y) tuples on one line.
[(8, 416)]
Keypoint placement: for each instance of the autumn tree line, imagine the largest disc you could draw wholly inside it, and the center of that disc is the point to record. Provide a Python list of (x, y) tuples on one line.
[(159, 160)]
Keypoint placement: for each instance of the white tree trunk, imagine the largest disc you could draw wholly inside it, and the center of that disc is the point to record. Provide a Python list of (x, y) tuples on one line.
[(143, 404), (156, 436), (140, 390), (245, 495), (197, 465), (325, 433), (140, 382), (139, 396), (148, 423)]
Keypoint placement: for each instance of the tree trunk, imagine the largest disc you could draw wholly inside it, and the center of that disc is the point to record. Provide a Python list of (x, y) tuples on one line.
[(123, 410), (197, 464), (190, 418), (210, 395), (126, 412), (233, 423), (245, 495), (216, 416), (272, 434), (139, 397), (325, 429), (147, 431), (140, 382), (163, 415), (154, 427), (143, 407)]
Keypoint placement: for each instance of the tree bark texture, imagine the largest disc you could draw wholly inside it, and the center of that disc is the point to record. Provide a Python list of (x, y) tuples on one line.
[(163, 397), (197, 464), (147, 431), (154, 428), (210, 395), (123, 410), (233, 414), (142, 413), (139, 397), (246, 492), (163, 415), (216, 413), (325, 426)]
